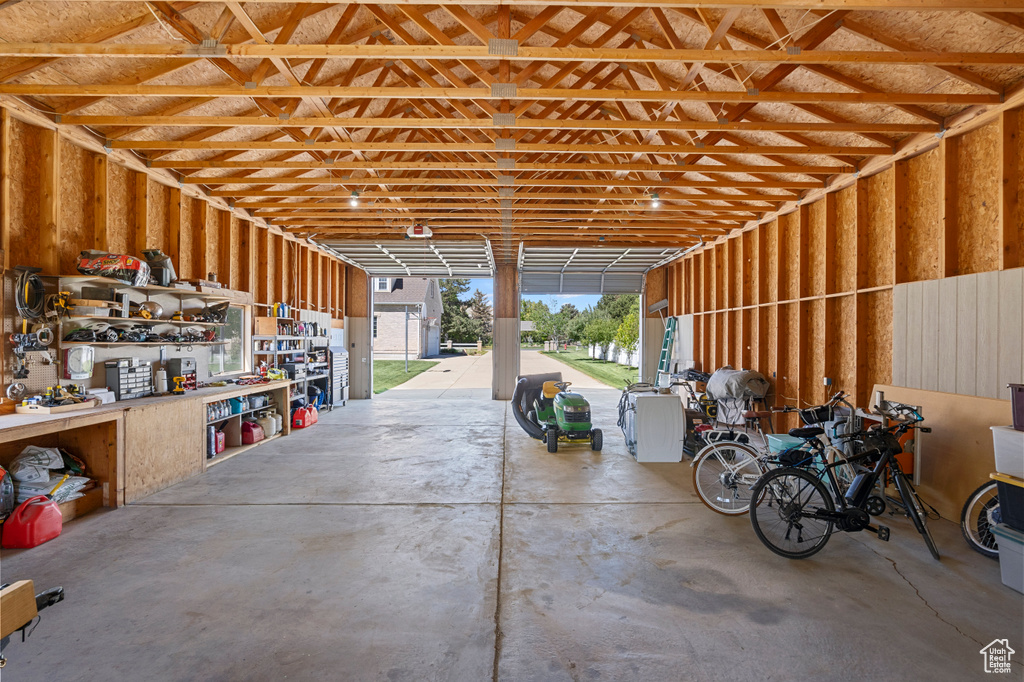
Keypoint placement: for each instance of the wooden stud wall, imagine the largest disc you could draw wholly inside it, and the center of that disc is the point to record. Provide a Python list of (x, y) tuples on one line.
[(809, 294), (57, 199)]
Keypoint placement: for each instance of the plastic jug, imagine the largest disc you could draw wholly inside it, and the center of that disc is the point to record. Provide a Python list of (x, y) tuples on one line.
[(35, 521), (252, 432), (268, 423), (299, 418)]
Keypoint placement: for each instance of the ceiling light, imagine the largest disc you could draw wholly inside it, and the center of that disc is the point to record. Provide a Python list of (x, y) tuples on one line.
[(655, 201), (354, 201)]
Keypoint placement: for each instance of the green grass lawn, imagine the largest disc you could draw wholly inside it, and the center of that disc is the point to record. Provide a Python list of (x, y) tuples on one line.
[(390, 373), (609, 373)]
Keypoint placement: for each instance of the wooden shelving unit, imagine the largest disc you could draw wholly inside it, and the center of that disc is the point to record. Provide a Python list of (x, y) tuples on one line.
[(232, 451)]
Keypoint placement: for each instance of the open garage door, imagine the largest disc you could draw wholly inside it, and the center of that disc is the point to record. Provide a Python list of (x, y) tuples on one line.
[(588, 270), (418, 257)]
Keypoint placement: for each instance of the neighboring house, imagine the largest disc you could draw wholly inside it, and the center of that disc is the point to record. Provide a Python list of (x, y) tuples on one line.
[(392, 297)]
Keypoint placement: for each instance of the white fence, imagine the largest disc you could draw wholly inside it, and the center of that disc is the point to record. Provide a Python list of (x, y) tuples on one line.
[(613, 354)]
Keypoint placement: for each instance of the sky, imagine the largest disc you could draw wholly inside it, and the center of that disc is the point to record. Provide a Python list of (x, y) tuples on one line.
[(581, 301)]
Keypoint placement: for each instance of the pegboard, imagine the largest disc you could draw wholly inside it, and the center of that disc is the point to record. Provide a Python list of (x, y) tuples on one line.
[(40, 375)]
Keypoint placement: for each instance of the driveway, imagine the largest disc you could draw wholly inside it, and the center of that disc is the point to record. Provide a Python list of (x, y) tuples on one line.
[(469, 376)]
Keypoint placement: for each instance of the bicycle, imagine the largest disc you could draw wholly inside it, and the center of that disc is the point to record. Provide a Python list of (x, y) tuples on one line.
[(980, 513), (724, 471), (794, 514)]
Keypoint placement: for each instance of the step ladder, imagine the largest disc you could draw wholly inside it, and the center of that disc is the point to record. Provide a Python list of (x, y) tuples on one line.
[(666, 346)]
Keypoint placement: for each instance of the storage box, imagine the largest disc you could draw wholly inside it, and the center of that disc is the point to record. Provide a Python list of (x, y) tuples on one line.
[(1011, 556), (1011, 500), (1017, 404), (1008, 444), (780, 442)]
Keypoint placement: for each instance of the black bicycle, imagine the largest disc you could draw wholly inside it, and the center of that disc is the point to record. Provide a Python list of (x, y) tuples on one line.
[(794, 512)]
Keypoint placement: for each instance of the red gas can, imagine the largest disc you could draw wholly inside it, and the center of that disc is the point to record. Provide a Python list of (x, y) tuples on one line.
[(251, 432), (299, 417), (35, 521), (314, 414)]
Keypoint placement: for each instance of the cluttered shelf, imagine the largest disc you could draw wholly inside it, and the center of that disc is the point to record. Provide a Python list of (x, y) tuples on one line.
[(151, 289), (237, 450)]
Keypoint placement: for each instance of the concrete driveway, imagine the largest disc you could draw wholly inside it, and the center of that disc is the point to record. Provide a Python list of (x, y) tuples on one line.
[(469, 376)]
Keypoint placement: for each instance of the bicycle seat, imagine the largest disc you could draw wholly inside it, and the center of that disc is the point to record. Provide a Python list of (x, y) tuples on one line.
[(807, 433), (753, 414)]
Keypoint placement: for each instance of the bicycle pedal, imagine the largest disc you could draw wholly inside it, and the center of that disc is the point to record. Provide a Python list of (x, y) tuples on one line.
[(883, 533)]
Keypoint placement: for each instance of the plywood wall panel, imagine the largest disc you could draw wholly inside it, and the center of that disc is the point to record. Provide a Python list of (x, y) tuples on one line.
[(768, 345), (748, 271), (26, 141), (814, 337), (158, 227), (921, 216), (845, 320), (76, 216), (846, 239), (121, 208), (881, 228), (978, 213), (878, 323), (750, 339), (899, 337), (816, 248), (736, 277)]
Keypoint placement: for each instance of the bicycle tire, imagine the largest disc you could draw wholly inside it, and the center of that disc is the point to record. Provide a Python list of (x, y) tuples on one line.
[(711, 467), (778, 504), (977, 531), (915, 510)]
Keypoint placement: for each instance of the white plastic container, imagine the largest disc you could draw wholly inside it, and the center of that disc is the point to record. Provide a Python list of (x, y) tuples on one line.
[(1009, 448), (268, 423), (1011, 556)]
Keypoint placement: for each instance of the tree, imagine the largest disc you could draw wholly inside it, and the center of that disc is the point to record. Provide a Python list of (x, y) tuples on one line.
[(456, 325), (627, 336), (600, 330), (480, 312), (617, 306), (538, 313)]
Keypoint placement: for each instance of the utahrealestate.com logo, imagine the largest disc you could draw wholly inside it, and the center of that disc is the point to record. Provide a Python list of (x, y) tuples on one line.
[(997, 656)]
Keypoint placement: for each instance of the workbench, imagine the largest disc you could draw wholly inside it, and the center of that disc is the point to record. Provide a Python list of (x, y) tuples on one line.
[(135, 447)]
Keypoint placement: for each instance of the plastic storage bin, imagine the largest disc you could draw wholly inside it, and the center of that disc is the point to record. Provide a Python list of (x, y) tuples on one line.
[(1009, 448), (780, 442), (1011, 556), (1011, 500), (1017, 404)]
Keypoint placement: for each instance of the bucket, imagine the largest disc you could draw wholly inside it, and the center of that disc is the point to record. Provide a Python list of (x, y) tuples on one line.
[(35, 521)]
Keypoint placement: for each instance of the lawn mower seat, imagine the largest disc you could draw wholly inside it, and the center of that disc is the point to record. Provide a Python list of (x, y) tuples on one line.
[(550, 390), (529, 389)]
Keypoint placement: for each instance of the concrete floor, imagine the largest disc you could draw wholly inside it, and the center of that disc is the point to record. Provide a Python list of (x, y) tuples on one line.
[(419, 539)]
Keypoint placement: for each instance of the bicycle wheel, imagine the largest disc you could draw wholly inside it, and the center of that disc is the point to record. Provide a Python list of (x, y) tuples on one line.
[(723, 474), (786, 512), (981, 512), (915, 510)]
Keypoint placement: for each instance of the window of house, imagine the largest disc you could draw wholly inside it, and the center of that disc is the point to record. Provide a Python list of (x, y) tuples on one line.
[(233, 356), (375, 326), (382, 284)]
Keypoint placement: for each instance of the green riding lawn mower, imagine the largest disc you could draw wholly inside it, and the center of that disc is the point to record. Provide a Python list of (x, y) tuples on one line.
[(549, 412)]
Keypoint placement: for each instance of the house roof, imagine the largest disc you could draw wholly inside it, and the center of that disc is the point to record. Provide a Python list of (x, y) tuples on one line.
[(413, 291)]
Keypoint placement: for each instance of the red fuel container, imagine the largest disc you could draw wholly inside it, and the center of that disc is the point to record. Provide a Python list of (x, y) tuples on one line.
[(35, 521), (251, 433)]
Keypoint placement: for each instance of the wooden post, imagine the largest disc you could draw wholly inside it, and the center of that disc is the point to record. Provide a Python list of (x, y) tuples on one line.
[(250, 265), (831, 285), (99, 202), (902, 227), (49, 203), (1011, 218), (200, 233), (862, 233), (5, 193), (225, 251), (264, 266), (277, 293), (141, 210), (174, 227)]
